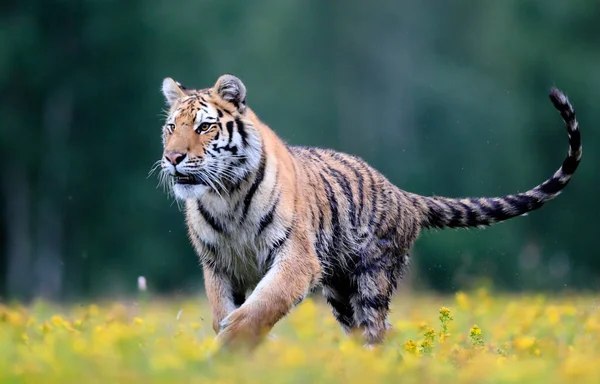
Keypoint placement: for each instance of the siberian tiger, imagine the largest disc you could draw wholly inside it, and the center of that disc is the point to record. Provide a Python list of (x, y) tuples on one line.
[(272, 222)]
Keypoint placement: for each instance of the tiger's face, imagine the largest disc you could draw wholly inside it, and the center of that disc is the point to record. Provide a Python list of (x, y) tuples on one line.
[(209, 143)]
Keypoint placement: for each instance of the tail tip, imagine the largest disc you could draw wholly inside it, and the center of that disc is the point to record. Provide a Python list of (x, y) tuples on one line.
[(558, 98)]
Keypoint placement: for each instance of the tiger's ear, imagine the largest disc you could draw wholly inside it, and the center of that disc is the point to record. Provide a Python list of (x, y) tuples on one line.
[(232, 90), (172, 90)]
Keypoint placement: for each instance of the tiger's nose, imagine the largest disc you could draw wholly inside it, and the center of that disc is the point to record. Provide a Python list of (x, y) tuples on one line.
[(174, 157)]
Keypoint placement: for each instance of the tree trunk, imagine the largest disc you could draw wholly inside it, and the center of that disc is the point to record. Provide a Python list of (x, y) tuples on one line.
[(50, 224), (18, 237)]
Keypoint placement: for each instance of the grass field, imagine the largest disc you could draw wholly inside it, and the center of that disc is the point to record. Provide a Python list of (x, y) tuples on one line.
[(468, 338)]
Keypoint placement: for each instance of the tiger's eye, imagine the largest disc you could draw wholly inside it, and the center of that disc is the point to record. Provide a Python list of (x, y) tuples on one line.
[(170, 128), (203, 127)]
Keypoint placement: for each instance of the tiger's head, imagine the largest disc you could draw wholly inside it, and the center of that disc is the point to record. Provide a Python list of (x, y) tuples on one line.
[(209, 140)]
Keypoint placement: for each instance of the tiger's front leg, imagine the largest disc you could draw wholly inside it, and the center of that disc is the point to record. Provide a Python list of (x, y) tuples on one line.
[(223, 296), (294, 270)]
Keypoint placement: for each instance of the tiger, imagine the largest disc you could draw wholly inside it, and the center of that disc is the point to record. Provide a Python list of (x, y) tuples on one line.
[(272, 223)]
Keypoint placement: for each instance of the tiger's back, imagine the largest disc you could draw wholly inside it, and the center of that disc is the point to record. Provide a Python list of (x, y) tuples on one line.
[(272, 222), (363, 229)]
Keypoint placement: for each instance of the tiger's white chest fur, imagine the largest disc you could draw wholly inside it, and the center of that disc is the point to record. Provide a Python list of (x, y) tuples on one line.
[(222, 230)]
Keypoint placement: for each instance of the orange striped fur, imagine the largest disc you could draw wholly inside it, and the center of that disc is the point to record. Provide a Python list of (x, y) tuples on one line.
[(272, 222)]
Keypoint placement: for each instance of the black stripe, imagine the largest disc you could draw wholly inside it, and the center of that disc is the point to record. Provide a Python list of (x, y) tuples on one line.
[(324, 245), (277, 245), (321, 246), (260, 174), (233, 150), (456, 219), (342, 310), (210, 247), (376, 302), (239, 162), (219, 112), (211, 263), (359, 181), (374, 196), (229, 126), (496, 211), (238, 183), (524, 203), (268, 218), (484, 217), (342, 181), (569, 166), (333, 206), (369, 267), (517, 205), (435, 214), (472, 219), (312, 214), (575, 139), (341, 287), (566, 111), (385, 211), (242, 130), (552, 186), (238, 297), (218, 227), (311, 186), (361, 195)]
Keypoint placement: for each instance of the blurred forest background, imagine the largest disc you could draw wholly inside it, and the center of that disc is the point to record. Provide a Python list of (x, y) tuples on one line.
[(446, 98)]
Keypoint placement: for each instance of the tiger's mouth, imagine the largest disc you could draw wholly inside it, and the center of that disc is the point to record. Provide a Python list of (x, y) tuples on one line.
[(187, 179)]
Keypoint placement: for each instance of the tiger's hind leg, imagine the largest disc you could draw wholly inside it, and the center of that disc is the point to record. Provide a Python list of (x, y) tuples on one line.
[(338, 290), (372, 316), (376, 278)]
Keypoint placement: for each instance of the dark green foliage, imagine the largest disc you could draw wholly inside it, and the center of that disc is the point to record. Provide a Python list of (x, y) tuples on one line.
[(446, 98)]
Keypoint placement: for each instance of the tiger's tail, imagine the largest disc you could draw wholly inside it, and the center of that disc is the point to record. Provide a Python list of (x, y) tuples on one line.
[(442, 212)]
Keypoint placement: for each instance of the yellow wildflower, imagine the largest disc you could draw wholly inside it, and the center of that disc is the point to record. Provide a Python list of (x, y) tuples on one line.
[(14, 318), (411, 347), (166, 361), (196, 326), (93, 310), (462, 300), (528, 340), (523, 343), (293, 356)]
